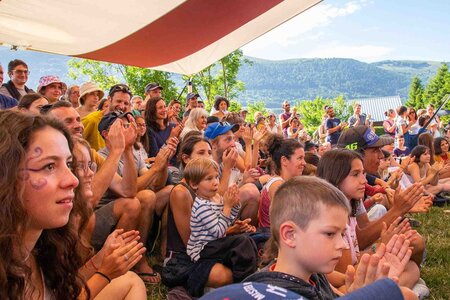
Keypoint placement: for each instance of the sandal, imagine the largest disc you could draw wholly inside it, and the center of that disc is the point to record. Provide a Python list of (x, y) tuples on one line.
[(155, 278)]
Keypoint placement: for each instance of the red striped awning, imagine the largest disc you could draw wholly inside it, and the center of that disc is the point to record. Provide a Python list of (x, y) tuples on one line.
[(171, 35)]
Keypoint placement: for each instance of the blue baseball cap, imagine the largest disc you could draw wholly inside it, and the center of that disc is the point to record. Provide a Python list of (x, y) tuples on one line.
[(108, 119), (215, 129)]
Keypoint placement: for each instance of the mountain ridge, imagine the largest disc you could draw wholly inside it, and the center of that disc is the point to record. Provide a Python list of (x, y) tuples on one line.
[(274, 81)]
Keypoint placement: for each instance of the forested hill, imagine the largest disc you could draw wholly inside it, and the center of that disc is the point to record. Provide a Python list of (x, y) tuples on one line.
[(274, 81)]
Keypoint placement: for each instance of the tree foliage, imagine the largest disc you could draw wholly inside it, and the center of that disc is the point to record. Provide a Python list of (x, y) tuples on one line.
[(220, 78), (106, 74), (254, 107), (438, 87), (312, 111), (415, 94)]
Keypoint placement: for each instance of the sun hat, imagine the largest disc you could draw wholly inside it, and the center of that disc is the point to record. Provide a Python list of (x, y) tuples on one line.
[(215, 129), (89, 87), (47, 80), (362, 137)]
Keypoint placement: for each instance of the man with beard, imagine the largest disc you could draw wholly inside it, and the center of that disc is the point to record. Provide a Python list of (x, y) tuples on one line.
[(334, 126)]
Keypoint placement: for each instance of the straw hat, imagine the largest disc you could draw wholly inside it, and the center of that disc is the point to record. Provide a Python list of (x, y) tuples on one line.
[(89, 87)]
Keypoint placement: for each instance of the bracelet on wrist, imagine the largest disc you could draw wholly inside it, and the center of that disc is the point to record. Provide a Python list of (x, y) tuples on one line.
[(104, 276)]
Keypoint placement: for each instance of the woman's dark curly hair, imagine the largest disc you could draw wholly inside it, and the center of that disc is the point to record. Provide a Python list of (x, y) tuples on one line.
[(220, 99), (54, 250)]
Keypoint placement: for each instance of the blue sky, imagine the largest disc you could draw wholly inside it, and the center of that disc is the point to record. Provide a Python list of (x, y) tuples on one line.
[(366, 30)]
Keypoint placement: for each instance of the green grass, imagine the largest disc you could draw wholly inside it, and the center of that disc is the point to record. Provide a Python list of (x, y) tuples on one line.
[(435, 229)]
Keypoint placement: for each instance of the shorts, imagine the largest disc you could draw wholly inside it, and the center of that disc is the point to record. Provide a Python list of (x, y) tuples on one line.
[(105, 223)]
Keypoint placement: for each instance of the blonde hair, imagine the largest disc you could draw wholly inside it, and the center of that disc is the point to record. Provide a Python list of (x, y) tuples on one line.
[(197, 169)]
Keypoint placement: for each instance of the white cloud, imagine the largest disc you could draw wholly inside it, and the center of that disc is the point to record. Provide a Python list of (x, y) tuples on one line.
[(294, 30), (359, 52)]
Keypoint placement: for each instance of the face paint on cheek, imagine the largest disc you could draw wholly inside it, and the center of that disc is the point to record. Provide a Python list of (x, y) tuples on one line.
[(38, 183), (24, 173)]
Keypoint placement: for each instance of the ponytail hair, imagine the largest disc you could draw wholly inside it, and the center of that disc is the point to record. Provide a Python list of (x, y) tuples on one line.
[(279, 147)]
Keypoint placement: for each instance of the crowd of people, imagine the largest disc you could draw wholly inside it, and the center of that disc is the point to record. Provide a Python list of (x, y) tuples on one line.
[(92, 182)]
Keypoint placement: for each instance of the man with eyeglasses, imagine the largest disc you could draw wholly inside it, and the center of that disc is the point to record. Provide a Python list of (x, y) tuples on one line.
[(6, 101), (119, 98), (18, 73)]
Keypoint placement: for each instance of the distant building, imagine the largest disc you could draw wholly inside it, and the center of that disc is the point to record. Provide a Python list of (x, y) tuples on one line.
[(377, 106)]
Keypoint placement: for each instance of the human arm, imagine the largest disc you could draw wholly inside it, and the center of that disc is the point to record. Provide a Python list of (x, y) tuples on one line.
[(129, 172), (257, 137), (119, 254), (432, 172), (388, 127), (369, 231), (156, 176), (180, 202), (285, 122), (229, 158)]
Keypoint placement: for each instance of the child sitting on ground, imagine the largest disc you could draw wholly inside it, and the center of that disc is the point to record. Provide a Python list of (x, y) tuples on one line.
[(308, 219), (210, 218)]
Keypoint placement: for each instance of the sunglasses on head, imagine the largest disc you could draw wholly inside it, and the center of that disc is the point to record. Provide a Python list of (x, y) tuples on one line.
[(120, 88)]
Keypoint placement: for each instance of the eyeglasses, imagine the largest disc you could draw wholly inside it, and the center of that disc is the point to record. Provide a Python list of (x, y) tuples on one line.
[(26, 72), (141, 125), (120, 88), (86, 167)]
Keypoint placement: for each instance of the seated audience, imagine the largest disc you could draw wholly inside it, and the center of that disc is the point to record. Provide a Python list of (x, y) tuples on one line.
[(32, 103), (119, 98), (196, 121), (90, 95), (211, 215), (51, 87), (288, 157), (72, 95), (389, 125), (308, 219), (221, 105)]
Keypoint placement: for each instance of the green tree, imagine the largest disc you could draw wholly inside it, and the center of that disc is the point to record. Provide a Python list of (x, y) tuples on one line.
[(312, 111), (415, 94), (438, 87), (254, 107), (235, 106), (106, 74), (220, 78)]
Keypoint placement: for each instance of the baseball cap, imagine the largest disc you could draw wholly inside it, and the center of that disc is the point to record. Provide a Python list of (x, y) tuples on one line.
[(191, 95), (309, 145), (215, 129), (212, 119), (110, 118), (152, 86), (361, 137), (251, 291)]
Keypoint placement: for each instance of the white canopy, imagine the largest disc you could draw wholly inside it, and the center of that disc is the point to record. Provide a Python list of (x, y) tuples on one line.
[(169, 35)]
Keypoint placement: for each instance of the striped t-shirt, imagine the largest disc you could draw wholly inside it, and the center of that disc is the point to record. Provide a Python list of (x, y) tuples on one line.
[(208, 223)]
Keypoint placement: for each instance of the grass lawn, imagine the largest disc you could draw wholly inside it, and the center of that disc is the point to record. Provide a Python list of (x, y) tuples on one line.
[(436, 269), (435, 229)]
